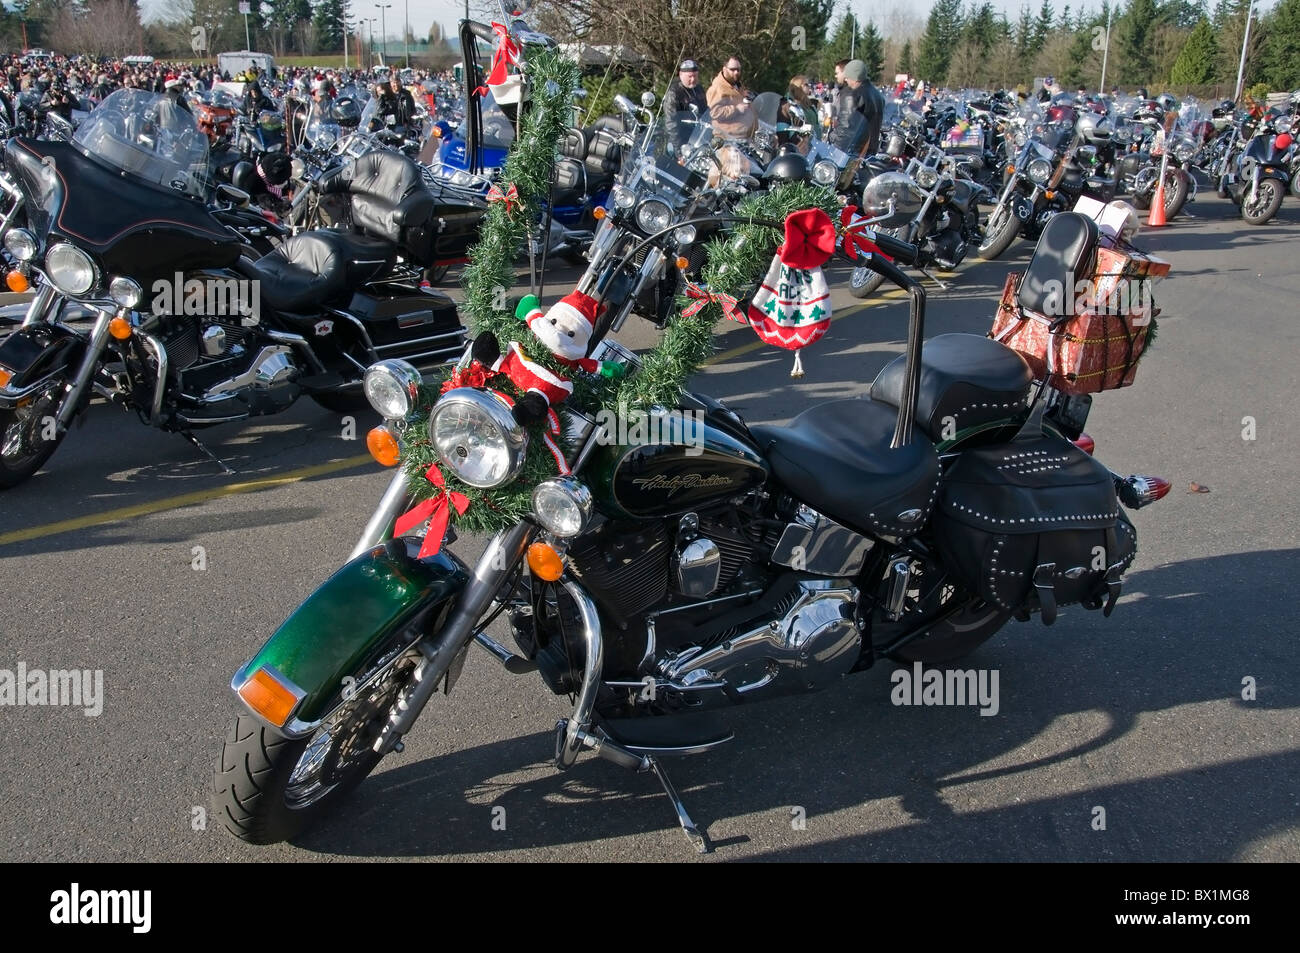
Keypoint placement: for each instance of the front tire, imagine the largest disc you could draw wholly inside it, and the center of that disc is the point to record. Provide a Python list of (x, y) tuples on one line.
[(26, 441), (999, 232), (1266, 204), (268, 788), (863, 282)]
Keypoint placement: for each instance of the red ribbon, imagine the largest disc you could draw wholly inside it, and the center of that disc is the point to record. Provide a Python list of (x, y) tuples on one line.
[(703, 297), (507, 54), (436, 510), (855, 235), (475, 375), (510, 196)]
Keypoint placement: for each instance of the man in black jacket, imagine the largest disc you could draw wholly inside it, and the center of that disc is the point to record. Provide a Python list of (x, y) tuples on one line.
[(395, 101), (683, 93), (859, 112)]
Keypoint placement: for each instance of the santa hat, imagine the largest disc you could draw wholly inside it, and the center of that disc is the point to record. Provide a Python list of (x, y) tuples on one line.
[(171, 81), (576, 303)]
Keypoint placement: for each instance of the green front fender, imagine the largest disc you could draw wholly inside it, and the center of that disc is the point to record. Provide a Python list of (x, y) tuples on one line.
[(353, 612)]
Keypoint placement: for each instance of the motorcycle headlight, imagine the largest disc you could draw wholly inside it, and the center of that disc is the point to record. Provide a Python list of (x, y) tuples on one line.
[(125, 292), (476, 437), (927, 178), (1020, 140), (1282, 125), (392, 387), (653, 216), (1038, 170), (623, 197), (684, 234), (70, 269), (825, 172), (297, 169), (21, 244), (1183, 149), (562, 506)]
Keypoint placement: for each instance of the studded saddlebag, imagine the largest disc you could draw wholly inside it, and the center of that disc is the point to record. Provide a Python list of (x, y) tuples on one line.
[(1034, 524)]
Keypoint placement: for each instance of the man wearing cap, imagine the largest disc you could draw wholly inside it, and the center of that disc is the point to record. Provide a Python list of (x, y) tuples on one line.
[(860, 111), (683, 93), (174, 87), (730, 104)]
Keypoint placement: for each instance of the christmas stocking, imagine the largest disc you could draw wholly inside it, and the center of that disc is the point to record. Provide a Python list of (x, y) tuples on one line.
[(792, 307)]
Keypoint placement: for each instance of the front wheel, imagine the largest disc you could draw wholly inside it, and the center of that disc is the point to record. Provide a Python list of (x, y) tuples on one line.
[(268, 788), (863, 282), (999, 232), (29, 434), (1268, 199)]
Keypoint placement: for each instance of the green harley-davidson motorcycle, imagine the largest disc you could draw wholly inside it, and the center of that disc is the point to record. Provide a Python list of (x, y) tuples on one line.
[(667, 581)]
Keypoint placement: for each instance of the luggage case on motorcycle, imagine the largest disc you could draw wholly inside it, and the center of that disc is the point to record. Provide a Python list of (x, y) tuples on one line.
[(1098, 325), (1034, 524)]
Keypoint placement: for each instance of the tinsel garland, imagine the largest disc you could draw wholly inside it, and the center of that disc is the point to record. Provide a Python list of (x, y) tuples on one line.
[(735, 265)]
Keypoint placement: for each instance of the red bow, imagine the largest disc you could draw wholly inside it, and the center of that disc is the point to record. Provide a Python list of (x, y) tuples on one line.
[(436, 510), (809, 239), (703, 297), (858, 236), (510, 196), (476, 375), (507, 53)]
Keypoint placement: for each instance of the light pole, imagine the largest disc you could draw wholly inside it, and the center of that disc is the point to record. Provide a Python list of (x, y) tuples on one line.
[(343, 22), (383, 27), (1245, 41), (406, 29), (1105, 53), (372, 21)]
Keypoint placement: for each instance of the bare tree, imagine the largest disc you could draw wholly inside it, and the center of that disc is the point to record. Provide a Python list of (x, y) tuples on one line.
[(97, 28)]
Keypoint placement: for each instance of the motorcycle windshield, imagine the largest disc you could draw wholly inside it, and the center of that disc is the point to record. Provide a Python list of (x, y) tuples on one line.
[(674, 172), (149, 138)]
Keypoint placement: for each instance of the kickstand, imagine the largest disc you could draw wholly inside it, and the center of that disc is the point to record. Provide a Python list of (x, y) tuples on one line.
[(943, 285), (206, 452), (693, 833)]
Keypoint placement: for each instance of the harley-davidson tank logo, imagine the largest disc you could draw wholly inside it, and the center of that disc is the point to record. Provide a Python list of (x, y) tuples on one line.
[(324, 327), (684, 481)]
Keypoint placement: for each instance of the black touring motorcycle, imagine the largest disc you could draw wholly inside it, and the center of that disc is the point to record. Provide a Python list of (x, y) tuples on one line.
[(668, 581), (147, 295)]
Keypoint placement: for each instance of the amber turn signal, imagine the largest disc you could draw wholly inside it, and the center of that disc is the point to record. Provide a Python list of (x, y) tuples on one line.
[(384, 447), (1011, 170), (598, 213), (17, 281), (682, 263), (1049, 195), (6, 376), (544, 562), (120, 328), (266, 695)]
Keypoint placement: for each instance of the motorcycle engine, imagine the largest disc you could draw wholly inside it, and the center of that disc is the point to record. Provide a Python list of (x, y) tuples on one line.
[(947, 249)]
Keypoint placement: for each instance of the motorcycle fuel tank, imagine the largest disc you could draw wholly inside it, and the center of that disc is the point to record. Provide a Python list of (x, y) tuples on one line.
[(665, 463)]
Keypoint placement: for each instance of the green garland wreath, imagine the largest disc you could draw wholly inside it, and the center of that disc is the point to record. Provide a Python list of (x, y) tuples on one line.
[(734, 266)]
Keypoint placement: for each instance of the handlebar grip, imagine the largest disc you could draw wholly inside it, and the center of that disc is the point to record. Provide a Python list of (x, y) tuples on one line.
[(896, 249)]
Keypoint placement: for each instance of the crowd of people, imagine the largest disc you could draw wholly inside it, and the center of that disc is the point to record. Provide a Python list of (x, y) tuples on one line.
[(848, 112)]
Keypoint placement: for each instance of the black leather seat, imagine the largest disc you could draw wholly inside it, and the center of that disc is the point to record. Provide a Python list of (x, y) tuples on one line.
[(1066, 253), (367, 257), (306, 271), (836, 458), (973, 380), (387, 194)]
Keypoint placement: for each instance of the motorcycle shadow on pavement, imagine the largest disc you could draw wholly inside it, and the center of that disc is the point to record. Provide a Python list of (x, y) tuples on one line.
[(1141, 715)]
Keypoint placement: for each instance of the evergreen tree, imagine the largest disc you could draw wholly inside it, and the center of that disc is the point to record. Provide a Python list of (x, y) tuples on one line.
[(981, 27), (1025, 35), (942, 32), (330, 16), (1043, 26), (1136, 33), (905, 64), (845, 39), (1279, 60), (1195, 64), (871, 50)]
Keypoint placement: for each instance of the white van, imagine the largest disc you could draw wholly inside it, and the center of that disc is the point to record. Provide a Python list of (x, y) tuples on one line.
[(238, 62)]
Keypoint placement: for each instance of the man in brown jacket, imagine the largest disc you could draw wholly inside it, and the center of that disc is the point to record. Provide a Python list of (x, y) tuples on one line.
[(730, 104)]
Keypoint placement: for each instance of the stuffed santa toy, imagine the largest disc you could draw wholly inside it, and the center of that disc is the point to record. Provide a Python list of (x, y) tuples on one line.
[(566, 330)]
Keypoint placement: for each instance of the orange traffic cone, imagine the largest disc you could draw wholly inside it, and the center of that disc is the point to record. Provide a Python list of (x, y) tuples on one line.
[(1157, 217)]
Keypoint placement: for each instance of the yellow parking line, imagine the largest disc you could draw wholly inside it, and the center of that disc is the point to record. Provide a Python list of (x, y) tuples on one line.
[(185, 499)]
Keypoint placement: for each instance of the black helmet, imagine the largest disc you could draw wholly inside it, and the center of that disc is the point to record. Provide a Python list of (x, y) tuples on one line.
[(346, 112), (787, 167), (1225, 108), (1142, 93)]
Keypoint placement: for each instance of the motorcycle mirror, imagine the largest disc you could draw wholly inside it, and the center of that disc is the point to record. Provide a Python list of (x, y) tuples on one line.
[(648, 100), (233, 195)]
